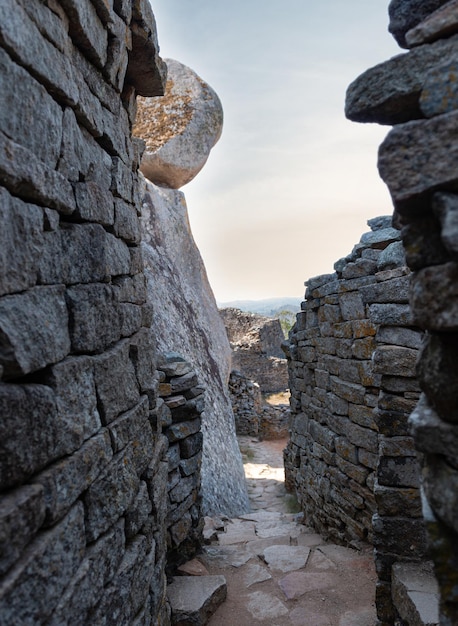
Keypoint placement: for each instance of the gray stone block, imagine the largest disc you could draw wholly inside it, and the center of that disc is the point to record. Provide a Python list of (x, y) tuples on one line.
[(196, 598), (23, 173), (94, 317), (127, 224), (33, 408), (93, 203), (436, 308), (191, 445), (182, 430), (75, 253), (81, 157), (405, 14), (86, 30), (33, 330), (405, 337), (138, 512), (183, 489), (395, 360), (416, 593), (389, 93), (95, 572), (116, 383), (29, 115), (21, 243), (73, 383), (131, 426), (401, 159), (398, 471), (22, 513), (47, 62), (28, 595), (391, 314), (108, 498), (64, 481)]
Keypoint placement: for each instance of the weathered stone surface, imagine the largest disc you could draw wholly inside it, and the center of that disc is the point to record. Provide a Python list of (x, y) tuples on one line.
[(180, 129), (440, 94), (186, 320), (33, 330), (445, 206), (437, 373), (389, 93), (93, 204), (34, 408), (442, 23), (111, 494), (96, 570), (405, 14), (393, 256), (29, 115), (29, 595), (114, 371), (94, 317), (64, 481), (286, 558), (22, 513), (416, 593), (23, 172), (432, 435), (405, 337), (266, 606), (391, 314), (146, 70), (403, 165), (21, 241), (194, 599), (435, 309), (440, 484)]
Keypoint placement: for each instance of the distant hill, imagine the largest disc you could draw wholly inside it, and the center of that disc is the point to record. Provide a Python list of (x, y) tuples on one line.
[(270, 307)]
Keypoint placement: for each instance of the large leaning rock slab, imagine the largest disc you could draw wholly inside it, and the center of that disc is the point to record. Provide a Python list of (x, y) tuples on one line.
[(389, 93), (179, 129), (415, 158), (405, 14), (186, 320), (194, 599)]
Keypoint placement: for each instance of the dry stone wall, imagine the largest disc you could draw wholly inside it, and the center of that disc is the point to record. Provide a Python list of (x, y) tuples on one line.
[(352, 357), (416, 92), (98, 474)]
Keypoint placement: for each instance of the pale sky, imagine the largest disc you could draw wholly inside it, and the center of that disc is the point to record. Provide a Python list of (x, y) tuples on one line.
[(291, 184)]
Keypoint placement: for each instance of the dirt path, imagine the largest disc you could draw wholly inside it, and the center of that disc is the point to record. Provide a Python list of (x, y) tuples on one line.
[(278, 571)]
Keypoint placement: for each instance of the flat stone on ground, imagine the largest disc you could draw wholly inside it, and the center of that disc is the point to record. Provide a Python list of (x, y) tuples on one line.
[(193, 599), (265, 606), (286, 558), (255, 574), (296, 584)]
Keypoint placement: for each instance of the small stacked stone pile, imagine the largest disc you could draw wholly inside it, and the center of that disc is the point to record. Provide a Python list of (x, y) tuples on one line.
[(181, 405), (417, 93)]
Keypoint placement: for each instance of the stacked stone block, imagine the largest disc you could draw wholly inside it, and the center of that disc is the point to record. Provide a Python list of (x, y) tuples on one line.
[(416, 92), (83, 459), (352, 360), (181, 401)]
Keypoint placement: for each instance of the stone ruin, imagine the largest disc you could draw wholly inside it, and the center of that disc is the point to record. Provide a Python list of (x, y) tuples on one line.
[(109, 436), (115, 434), (259, 368), (372, 450)]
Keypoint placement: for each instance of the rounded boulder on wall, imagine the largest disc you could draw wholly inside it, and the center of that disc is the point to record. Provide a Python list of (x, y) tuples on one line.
[(179, 129)]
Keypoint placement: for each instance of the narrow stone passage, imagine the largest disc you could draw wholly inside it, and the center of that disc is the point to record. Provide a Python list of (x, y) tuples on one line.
[(279, 572)]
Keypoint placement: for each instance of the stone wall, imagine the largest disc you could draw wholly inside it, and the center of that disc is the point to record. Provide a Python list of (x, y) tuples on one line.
[(352, 360), (416, 92), (85, 508), (179, 410), (253, 415), (256, 348)]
